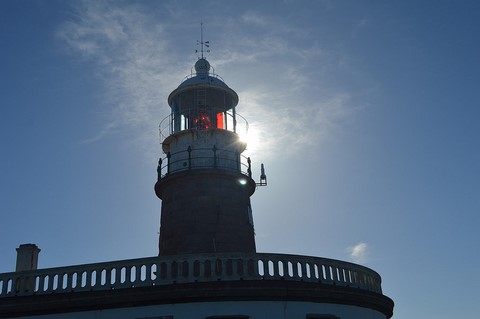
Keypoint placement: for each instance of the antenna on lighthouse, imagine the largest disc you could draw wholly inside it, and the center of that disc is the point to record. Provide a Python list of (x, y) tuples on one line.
[(263, 176), (202, 43)]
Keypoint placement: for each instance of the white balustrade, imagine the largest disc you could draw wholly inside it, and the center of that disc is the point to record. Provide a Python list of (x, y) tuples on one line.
[(188, 269)]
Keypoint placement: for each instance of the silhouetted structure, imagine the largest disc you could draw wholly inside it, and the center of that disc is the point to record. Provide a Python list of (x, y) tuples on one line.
[(207, 266)]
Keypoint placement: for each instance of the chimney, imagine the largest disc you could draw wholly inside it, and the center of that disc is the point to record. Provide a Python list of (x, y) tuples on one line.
[(27, 257)]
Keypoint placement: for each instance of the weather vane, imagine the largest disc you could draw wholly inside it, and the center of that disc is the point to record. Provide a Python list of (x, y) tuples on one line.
[(202, 43)]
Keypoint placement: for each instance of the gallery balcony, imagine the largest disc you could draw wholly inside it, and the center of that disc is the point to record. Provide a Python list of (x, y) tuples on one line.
[(153, 280)]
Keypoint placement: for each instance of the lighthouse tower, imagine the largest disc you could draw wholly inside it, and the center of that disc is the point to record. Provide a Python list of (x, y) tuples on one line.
[(204, 181)]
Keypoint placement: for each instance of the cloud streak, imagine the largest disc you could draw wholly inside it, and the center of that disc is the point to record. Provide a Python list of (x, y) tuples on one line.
[(283, 92), (130, 54), (284, 77)]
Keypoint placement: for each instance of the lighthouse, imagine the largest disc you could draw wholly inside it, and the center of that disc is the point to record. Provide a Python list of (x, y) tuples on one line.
[(207, 266), (204, 181)]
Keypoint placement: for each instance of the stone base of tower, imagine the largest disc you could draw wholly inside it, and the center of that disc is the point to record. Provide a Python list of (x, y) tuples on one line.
[(206, 211)]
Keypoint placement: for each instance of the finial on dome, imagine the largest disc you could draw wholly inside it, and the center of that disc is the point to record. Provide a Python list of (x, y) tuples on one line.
[(202, 43)]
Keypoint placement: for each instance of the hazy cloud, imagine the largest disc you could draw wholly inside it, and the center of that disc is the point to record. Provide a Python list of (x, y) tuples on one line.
[(284, 92), (131, 57), (359, 252)]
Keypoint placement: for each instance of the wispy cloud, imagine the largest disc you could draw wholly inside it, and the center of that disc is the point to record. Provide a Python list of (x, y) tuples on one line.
[(130, 53), (280, 73), (284, 78), (359, 253)]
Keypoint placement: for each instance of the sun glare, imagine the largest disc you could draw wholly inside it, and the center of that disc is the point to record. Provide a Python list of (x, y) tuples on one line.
[(251, 138)]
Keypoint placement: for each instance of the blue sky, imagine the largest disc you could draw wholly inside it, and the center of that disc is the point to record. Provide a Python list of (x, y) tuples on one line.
[(365, 114)]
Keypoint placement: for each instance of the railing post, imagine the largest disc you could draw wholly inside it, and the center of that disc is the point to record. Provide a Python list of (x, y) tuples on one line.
[(60, 281), (249, 167), (98, 278), (4, 284), (168, 164), (88, 279), (108, 277), (138, 275), (225, 119), (286, 273), (234, 120), (51, 281), (19, 282), (303, 265), (118, 276)]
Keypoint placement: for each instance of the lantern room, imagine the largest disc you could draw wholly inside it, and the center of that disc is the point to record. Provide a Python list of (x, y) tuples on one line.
[(202, 101)]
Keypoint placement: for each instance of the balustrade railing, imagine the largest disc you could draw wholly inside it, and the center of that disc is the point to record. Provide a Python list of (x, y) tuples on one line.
[(154, 271)]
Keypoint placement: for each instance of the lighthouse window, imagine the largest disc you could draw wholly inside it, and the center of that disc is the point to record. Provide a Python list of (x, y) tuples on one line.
[(220, 120)]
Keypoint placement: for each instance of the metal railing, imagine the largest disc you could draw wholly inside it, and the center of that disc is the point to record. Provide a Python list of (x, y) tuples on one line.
[(210, 74), (154, 271), (200, 158)]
